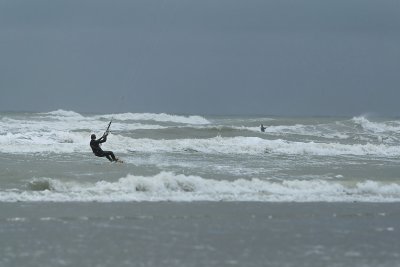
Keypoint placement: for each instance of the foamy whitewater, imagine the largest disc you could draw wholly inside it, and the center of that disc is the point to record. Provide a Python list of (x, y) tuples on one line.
[(46, 157)]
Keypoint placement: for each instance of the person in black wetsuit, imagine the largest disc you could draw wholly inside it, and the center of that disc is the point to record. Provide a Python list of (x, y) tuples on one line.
[(95, 145), (262, 128)]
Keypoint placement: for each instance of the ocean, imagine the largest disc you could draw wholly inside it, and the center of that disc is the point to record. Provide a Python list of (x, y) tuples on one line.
[(199, 190)]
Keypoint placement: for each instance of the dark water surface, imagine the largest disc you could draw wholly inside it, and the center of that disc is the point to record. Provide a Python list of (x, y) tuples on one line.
[(199, 234)]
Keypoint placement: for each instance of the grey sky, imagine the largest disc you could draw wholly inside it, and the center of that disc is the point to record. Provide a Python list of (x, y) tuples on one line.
[(272, 57)]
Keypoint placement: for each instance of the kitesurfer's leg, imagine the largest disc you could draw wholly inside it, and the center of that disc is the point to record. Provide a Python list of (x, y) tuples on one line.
[(113, 156), (110, 155)]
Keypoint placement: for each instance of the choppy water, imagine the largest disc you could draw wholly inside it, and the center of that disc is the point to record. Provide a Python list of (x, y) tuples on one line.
[(46, 157)]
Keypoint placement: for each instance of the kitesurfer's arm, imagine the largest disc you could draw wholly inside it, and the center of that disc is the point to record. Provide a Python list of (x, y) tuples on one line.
[(103, 139)]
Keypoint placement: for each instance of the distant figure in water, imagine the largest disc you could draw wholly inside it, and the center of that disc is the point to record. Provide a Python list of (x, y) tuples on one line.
[(262, 128), (95, 145)]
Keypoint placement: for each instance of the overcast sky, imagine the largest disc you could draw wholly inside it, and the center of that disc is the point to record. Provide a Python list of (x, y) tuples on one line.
[(270, 57)]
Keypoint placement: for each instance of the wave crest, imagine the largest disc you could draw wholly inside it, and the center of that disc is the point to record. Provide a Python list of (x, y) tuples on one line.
[(160, 117), (40, 184), (63, 113), (167, 186), (376, 127)]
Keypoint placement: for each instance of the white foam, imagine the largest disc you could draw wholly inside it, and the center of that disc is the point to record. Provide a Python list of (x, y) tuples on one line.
[(333, 149), (59, 141), (306, 130), (377, 127), (63, 113), (59, 136), (234, 145), (167, 186), (70, 132), (254, 145), (161, 117)]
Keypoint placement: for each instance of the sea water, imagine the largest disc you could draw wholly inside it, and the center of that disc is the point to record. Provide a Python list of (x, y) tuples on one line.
[(199, 190), (47, 157)]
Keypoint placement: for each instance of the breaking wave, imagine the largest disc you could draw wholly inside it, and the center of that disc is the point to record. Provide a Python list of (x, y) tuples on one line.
[(256, 145), (167, 186), (64, 142), (161, 117), (377, 127), (69, 132), (62, 113)]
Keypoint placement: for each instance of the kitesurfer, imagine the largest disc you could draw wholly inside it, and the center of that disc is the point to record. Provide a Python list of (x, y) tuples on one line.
[(262, 128), (95, 145)]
